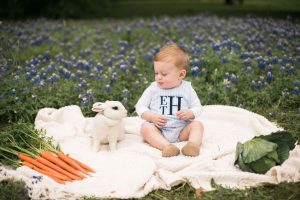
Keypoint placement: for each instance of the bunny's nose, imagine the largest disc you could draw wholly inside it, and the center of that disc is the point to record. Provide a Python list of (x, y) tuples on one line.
[(115, 108)]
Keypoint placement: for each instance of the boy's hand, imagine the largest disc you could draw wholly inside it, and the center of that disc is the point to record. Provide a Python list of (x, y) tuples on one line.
[(185, 114), (158, 120)]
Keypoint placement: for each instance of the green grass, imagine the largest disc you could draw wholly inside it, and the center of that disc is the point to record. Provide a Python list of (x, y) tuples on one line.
[(94, 35), (148, 8), (13, 190)]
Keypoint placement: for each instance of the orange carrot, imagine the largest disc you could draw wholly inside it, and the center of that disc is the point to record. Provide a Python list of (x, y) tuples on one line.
[(64, 173), (71, 162), (84, 166), (49, 174), (40, 165), (49, 156)]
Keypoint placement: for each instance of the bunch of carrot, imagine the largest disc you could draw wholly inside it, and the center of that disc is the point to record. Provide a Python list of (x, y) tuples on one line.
[(60, 167), (22, 143)]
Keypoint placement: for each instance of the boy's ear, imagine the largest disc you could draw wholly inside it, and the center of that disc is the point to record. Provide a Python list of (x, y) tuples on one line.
[(182, 73)]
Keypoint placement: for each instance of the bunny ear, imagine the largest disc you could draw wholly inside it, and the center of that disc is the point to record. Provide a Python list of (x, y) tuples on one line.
[(98, 107)]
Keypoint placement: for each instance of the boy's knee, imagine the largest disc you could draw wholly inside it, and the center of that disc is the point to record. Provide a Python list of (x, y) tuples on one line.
[(198, 125), (146, 129)]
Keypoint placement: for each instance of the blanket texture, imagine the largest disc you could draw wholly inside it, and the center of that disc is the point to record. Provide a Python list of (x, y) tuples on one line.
[(136, 168)]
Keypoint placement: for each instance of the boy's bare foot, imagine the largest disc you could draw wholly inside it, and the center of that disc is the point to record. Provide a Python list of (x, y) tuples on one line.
[(170, 150), (190, 149)]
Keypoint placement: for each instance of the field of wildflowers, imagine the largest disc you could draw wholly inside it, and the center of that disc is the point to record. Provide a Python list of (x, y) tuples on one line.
[(249, 62)]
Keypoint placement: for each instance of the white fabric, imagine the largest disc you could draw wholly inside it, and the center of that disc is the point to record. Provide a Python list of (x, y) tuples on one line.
[(162, 101), (136, 169)]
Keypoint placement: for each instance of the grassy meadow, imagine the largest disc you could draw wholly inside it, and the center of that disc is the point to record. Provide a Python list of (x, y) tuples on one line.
[(248, 61)]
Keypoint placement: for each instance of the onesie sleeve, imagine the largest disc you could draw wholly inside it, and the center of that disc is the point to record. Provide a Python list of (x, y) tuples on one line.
[(196, 106), (144, 102)]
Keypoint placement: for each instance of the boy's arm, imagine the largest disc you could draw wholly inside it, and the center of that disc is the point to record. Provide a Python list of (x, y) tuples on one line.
[(142, 109), (143, 103), (195, 110), (158, 120), (196, 106)]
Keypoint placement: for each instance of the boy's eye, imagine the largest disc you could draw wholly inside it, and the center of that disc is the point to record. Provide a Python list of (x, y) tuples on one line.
[(164, 74)]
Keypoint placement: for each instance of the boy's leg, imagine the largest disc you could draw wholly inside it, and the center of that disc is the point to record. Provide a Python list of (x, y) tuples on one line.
[(153, 136), (193, 134)]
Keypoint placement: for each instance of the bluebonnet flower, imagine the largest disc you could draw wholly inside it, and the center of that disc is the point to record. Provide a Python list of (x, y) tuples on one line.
[(247, 62), (195, 71), (149, 57), (42, 84), (285, 93), (126, 92), (19, 70), (272, 114), (261, 64), (13, 92), (228, 86), (51, 68), (123, 67), (28, 76), (290, 69), (269, 52), (46, 56), (132, 60), (137, 84), (99, 67), (282, 69), (89, 94), (54, 78), (269, 77), (84, 102), (36, 179), (196, 63), (249, 70), (227, 75), (114, 77), (124, 101), (244, 55), (296, 90), (2, 96), (216, 46), (134, 69), (224, 59), (233, 78), (296, 83), (269, 67), (17, 78), (17, 100), (36, 79), (107, 89), (256, 85)]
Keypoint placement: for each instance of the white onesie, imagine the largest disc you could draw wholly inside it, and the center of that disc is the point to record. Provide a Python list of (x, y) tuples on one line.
[(167, 102)]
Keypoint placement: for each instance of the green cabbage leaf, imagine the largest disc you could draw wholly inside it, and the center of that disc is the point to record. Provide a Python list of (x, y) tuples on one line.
[(261, 153)]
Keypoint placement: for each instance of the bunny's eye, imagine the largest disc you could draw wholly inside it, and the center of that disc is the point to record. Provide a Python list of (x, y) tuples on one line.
[(115, 107)]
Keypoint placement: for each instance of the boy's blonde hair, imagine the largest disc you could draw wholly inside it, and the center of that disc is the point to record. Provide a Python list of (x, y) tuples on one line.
[(173, 53)]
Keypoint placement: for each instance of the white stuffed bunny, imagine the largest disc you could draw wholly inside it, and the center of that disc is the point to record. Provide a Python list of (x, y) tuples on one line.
[(106, 126)]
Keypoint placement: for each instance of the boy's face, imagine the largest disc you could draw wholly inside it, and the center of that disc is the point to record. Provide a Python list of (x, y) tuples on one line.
[(167, 75)]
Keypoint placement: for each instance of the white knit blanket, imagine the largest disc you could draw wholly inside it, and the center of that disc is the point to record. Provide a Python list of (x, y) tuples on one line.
[(136, 168)]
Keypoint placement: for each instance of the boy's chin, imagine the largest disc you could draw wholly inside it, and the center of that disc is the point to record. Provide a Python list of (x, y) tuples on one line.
[(167, 86)]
